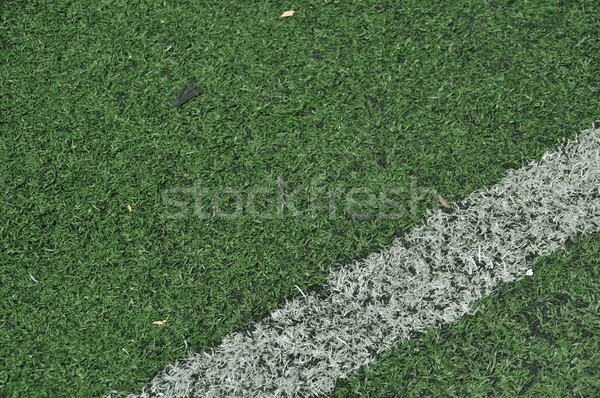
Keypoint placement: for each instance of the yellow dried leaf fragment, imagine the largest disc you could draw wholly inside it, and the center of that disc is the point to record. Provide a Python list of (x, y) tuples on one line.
[(443, 202)]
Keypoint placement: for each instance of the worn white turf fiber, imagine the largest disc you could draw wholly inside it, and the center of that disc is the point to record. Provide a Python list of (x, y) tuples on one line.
[(431, 276)]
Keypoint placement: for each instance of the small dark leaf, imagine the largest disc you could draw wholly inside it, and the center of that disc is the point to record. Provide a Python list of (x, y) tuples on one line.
[(186, 93)]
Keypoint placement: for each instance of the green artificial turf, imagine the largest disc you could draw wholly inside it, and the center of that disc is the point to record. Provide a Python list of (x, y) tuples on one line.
[(535, 338), (416, 97)]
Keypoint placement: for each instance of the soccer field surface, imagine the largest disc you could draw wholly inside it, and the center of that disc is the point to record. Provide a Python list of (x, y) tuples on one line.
[(428, 277), (362, 182)]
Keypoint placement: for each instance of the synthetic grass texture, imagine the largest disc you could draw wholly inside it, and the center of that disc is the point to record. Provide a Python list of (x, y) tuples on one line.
[(430, 276), (422, 96), (537, 337)]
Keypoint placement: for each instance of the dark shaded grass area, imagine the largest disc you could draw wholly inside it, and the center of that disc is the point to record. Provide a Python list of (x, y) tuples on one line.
[(409, 98)]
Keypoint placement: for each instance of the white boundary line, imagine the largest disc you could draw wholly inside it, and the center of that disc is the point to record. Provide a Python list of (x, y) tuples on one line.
[(431, 276)]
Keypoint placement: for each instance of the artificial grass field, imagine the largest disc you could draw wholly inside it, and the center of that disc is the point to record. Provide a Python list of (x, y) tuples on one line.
[(420, 96), (538, 337)]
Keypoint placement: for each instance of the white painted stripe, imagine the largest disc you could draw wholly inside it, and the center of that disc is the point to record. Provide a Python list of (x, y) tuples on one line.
[(430, 277)]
